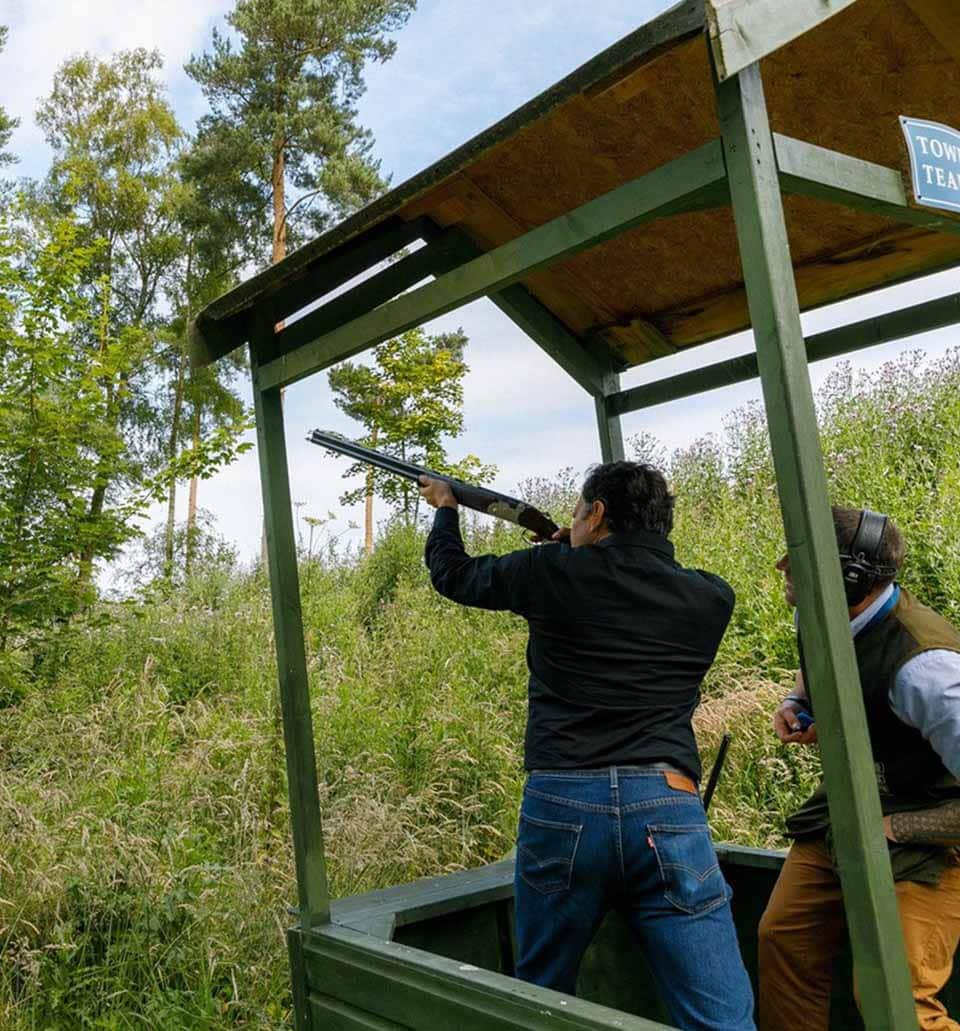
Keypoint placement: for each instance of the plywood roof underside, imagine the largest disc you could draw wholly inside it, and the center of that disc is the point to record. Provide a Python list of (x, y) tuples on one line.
[(842, 86)]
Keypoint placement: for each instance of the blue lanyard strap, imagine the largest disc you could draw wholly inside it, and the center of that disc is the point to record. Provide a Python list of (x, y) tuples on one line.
[(884, 611)]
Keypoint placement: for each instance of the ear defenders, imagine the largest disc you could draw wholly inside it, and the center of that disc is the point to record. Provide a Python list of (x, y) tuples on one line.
[(860, 564)]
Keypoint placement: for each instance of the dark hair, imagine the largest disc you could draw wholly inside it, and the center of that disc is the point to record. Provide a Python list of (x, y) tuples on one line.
[(892, 550), (635, 495)]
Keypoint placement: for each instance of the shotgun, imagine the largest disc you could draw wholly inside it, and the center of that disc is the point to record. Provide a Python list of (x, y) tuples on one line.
[(480, 499)]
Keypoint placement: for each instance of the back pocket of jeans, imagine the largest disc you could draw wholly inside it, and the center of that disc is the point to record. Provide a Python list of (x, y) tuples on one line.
[(688, 866), (545, 853)]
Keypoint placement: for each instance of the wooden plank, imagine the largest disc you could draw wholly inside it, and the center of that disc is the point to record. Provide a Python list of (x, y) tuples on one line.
[(544, 328), (428, 898), (813, 171), (942, 18), (894, 257), (332, 1015), (438, 256), (664, 191), (744, 31), (858, 838), (560, 292), (552, 336), (897, 325), (420, 990), (608, 423), (220, 328), (314, 903), (302, 1018)]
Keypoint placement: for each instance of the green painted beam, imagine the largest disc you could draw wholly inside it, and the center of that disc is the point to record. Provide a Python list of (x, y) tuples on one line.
[(744, 31), (854, 802), (608, 422), (422, 991), (811, 171), (314, 903), (666, 190), (437, 257), (302, 1018), (219, 330), (896, 325), (587, 365), (589, 368), (332, 1015)]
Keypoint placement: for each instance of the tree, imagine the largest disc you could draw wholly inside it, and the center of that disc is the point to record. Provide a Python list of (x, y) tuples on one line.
[(281, 149), (197, 402), (7, 124), (115, 138), (407, 402), (281, 152), (58, 427)]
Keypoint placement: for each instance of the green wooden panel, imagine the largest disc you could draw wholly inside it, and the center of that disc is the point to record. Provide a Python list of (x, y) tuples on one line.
[(666, 190), (426, 899), (845, 747), (288, 636), (897, 325), (811, 171), (437, 257), (331, 1015), (227, 322), (473, 937), (585, 365), (743, 31), (553, 337), (302, 1020), (423, 991), (608, 422)]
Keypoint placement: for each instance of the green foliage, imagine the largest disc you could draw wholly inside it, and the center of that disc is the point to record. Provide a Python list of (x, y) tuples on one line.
[(7, 124), (114, 138), (57, 427), (283, 88), (408, 400)]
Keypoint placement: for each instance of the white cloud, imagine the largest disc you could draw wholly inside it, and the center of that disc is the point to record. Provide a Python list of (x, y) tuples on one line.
[(43, 33)]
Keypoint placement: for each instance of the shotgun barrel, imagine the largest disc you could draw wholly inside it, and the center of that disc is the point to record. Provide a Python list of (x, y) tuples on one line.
[(480, 499)]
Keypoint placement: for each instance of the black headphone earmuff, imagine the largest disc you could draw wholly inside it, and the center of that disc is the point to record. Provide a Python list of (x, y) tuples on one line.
[(861, 565)]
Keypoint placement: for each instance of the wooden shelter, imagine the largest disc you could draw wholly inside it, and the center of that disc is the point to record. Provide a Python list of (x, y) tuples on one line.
[(728, 164)]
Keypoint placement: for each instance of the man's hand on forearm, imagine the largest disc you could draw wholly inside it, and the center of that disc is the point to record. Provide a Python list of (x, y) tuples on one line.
[(437, 493), (937, 826)]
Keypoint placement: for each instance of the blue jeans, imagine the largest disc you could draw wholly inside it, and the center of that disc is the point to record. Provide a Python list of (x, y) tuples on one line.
[(623, 838)]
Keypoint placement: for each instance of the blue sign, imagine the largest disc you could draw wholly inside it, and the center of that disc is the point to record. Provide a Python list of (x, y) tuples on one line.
[(935, 162)]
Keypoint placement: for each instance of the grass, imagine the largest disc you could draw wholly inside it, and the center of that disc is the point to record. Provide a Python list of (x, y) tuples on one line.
[(146, 867)]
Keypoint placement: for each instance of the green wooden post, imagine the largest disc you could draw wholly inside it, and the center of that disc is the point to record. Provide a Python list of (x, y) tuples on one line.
[(288, 633), (608, 421), (847, 760)]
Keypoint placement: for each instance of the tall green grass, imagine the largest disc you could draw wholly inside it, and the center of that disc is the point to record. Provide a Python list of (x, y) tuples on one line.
[(146, 868)]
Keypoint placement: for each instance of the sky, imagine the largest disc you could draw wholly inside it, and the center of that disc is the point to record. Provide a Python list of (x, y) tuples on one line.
[(460, 66)]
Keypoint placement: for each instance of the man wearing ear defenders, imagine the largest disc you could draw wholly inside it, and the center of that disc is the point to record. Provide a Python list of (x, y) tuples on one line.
[(909, 662)]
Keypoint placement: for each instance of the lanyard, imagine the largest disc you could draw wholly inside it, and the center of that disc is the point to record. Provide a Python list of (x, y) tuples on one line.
[(884, 611)]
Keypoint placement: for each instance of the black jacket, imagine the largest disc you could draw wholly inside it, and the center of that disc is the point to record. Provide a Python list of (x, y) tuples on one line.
[(621, 637)]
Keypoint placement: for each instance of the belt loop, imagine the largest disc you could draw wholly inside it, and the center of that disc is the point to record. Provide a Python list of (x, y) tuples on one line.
[(614, 785)]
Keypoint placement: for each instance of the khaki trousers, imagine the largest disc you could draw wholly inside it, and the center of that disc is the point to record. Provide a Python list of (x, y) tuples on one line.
[(804, 927)]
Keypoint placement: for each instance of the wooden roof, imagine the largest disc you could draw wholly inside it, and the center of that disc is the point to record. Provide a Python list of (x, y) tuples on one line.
[(647, 100)]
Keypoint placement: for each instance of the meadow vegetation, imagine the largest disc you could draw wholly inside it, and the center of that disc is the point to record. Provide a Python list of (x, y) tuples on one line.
[(146, 869)]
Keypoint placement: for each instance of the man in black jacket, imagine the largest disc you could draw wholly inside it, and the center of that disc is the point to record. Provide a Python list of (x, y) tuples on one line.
[(621, 637)]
